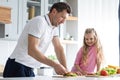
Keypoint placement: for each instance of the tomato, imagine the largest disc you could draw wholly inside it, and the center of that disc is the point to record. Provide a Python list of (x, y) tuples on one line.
[(103, 73)]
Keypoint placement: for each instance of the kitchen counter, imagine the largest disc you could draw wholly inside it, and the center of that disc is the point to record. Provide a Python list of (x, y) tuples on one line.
[(61, 78)]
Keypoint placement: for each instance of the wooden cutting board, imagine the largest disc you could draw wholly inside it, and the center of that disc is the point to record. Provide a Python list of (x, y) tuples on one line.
[(61, 76)]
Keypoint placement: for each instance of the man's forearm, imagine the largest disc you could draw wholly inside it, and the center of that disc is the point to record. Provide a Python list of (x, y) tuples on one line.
[(61, 57), (63, 60)]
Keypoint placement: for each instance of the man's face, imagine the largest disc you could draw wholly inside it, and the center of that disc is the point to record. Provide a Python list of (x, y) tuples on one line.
[(59, 17)]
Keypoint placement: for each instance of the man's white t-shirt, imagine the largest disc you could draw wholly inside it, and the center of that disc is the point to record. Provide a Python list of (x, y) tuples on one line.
[(39, 27)]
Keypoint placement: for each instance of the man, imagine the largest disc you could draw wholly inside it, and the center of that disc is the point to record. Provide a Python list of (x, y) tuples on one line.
[(34, 41)]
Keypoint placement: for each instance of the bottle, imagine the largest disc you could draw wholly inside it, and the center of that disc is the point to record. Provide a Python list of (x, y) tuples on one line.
[(31, 12)]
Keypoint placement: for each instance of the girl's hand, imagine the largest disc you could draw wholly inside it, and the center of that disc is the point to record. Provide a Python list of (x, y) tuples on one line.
[(84, 72), (90, 73), (78, 73)]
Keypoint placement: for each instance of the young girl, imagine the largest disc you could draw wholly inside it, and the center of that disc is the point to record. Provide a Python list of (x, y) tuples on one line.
[(90, 54)]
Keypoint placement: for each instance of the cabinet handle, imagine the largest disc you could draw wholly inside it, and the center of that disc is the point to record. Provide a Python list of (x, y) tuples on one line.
[(7, 35)]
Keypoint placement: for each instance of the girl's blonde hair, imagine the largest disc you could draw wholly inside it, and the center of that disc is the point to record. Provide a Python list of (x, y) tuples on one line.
[(99, 50)]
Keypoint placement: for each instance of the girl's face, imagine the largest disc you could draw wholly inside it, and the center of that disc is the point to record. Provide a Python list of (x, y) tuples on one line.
[(89, 39)]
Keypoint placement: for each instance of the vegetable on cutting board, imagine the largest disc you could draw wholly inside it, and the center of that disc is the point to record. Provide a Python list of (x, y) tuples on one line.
[(109, 70)]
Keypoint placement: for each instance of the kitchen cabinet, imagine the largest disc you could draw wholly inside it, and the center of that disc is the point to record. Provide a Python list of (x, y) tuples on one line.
[(34, 8), (39, 7), (12, 31), (71, 25)]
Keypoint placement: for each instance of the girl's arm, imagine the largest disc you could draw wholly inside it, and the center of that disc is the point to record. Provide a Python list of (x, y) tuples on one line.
[(98, 65), (80, 70), (77, 61)]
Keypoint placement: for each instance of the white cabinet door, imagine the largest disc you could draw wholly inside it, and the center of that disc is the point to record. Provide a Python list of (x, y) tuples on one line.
[(11, 30), (22, 15), (35, 8)]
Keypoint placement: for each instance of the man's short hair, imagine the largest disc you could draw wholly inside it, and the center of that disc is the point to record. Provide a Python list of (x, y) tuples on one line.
[(60, 6)]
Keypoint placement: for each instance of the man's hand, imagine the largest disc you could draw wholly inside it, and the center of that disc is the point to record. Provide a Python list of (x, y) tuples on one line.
[(60, 69)]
